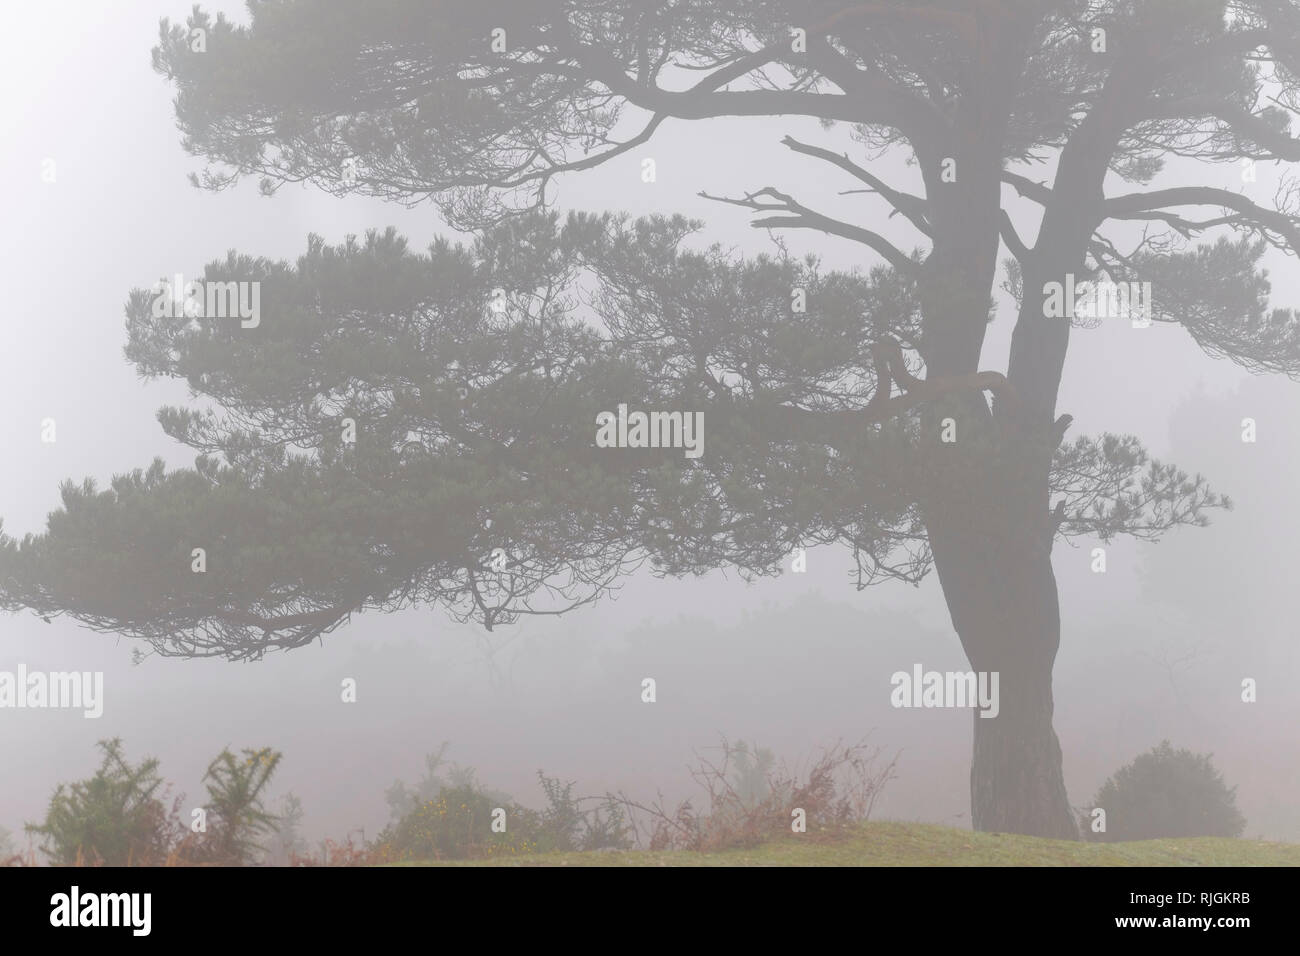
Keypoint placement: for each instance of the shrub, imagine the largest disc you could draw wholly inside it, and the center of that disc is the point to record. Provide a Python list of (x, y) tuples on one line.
[(402, 799), (566, 824), (752, 770), (237, 820), (456, 825), (346, 853), (119, 816), (1166, 793), (750, 801), (115, 818), (447, 816), (287, 844), (9, 854)]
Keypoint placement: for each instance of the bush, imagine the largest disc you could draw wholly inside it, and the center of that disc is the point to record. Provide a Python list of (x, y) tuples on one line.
[(566, 825), (753, 769), (1166, 793), (439, 774), (115, 818), (9, 853), (287, 844), (237, 820), (119, 816), (346, 853), (750, 801), (456, 825)]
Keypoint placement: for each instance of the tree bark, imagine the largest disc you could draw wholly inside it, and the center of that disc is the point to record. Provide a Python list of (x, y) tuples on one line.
[(1002, 596)]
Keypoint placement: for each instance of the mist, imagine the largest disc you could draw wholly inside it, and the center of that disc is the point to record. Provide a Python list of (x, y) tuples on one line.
[(1155, 648)]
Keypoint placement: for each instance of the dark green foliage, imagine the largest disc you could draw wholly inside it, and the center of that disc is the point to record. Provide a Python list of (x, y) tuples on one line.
[(439, 775), (456, 822), (457, 825), (1166, 793), (566, 824), (118, 818), (238, 823), (463, 415), (114, 818)]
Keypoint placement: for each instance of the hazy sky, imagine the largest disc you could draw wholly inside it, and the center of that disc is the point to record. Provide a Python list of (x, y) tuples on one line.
[(1154, 648)]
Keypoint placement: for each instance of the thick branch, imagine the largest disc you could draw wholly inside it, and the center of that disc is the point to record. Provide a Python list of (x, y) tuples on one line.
[(1013, 240), (1241, 121), (1038, 192), (836, 427), (704, 100), (1268, 220)]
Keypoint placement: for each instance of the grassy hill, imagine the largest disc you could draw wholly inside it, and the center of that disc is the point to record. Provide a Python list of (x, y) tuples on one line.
[(920, 844)]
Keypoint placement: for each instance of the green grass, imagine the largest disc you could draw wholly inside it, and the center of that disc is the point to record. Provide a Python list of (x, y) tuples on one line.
[(922, 844)]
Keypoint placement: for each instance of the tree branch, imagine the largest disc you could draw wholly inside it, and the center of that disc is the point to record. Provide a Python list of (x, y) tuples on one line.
[(911, 206), (1134, 205), (804, 218), (1038, 192), (1013, 240)]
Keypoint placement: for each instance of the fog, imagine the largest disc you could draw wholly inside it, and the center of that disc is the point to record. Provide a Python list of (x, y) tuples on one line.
[(1155, 648)]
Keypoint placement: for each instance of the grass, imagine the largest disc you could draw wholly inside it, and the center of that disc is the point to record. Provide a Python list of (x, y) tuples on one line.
[(922, 844)]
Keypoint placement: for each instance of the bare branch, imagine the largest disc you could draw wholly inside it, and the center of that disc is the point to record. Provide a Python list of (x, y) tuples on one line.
[(911, 206), (801, 217)]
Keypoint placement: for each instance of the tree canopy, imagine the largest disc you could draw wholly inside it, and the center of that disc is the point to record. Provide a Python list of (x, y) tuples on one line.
[(474, 430)]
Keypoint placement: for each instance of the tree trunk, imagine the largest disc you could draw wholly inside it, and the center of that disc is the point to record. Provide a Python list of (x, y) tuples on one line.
[(1016, 778), (993, 557), (984, 495), (990, 531)]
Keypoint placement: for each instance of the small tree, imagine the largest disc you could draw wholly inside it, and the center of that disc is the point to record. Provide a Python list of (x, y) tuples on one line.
[(287, 842), (580, 823), (235, 794), (753, 766), (1167, 793), (114, 818)]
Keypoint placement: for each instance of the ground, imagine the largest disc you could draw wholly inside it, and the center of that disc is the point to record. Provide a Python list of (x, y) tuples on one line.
[(920, 844)]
